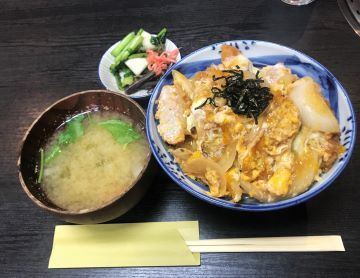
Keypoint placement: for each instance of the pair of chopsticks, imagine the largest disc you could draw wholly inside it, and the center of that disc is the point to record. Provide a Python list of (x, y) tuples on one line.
[(269, 244)]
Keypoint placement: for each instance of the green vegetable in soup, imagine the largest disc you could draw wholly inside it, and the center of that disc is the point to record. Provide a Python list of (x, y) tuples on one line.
[(98, 166), (73, 130), (122, 131), (52, 153), (41, 170)]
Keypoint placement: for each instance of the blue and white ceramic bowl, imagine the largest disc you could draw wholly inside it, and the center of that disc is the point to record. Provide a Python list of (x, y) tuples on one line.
[(261, 54)]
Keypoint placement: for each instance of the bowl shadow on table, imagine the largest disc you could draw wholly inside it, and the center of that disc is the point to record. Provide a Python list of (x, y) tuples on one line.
[(282, 23), (290, 221), (143, 102)]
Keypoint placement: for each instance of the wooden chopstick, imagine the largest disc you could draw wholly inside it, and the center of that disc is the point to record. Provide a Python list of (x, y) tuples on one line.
[(269, 244)]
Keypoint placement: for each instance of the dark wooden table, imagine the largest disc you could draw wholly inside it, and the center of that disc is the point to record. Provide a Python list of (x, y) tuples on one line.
[(50, 49)]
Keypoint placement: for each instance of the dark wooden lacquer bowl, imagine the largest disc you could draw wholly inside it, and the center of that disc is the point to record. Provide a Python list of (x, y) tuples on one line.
[(47, 123)]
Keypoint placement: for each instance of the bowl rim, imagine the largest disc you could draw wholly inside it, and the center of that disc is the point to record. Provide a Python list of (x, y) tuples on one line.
[(261, 206), (85, 211), (119, 92)]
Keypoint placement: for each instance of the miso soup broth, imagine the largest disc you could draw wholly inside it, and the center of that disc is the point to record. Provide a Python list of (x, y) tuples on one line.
[(91, 160)]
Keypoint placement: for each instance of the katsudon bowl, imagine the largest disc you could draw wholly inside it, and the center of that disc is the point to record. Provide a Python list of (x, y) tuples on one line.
[(50, 121), (261, 54)]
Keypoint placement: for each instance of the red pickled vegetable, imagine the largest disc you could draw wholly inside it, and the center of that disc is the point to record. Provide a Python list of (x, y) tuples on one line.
[(158, 63)]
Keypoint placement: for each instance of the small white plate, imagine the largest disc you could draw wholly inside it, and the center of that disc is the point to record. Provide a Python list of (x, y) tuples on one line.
[(108, 80)]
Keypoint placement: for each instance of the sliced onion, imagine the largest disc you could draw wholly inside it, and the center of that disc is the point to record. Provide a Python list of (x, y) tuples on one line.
[(306, 169), (255, 192), (299, 143), (228, 157), (180, 81), (199, 166), (314, 110), (252, 139), (236, 192), (181, 154)]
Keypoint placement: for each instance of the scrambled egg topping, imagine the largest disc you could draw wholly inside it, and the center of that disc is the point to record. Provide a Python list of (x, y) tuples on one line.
[(278, 157)]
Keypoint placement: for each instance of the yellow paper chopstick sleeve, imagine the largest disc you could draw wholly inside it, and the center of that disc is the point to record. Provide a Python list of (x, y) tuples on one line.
[(121, 245)]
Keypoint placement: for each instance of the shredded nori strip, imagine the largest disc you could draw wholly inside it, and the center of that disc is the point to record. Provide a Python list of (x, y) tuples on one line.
[(245, 97)]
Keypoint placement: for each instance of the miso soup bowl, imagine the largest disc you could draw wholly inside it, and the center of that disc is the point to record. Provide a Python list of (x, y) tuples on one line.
[(49, 121)]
